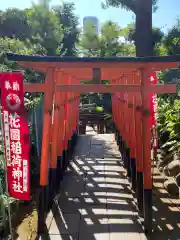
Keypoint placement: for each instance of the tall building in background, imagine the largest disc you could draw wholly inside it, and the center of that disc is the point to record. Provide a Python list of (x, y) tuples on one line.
[(93, 20)]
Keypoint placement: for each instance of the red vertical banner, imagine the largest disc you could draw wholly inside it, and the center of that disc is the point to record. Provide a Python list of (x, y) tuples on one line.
[(153, 109), (16, 135), (153, 101)]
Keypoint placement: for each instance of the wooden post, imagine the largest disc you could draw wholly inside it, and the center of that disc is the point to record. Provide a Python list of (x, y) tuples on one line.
[(120, 120), (75, 108), (60, 131), (96, 75), (146, 134), (126, 127), (132, 133), (66, 121), (139, 144), (47, 122), (114, 113), (70, 118), (120, 117), (54, 144), (66, 124)]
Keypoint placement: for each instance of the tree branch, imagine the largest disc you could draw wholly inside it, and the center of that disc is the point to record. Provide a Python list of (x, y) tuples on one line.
[(129, 5)]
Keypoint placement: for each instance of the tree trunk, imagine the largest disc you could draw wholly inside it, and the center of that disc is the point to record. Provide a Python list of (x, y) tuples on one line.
[(143, 34)]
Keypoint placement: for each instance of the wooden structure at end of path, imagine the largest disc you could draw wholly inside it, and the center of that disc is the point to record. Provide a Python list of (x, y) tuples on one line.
[(130, 87)]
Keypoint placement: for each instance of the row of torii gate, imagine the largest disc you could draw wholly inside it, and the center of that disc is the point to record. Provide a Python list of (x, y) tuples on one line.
[(62, 88)]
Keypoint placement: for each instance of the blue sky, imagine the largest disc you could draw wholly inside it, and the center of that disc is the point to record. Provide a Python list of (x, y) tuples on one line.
[(165, 17)]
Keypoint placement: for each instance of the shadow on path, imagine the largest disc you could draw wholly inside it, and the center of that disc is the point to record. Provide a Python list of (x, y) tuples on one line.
[(95, 201)]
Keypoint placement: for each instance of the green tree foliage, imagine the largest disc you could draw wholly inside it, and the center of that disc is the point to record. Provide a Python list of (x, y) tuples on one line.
[(172, 40), (129, 5), (109, 39), (69, 21), (157, 35), (46, 27), (16, 46), (169, 104), (14, 24), (160, 49), (143, 11), (89, 44), (39, 30), (171, 44), (106, 44), (54, 30), (169, 123), (129, 33)]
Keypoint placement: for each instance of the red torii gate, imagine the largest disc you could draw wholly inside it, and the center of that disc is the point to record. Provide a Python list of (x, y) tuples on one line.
[(62, 89)]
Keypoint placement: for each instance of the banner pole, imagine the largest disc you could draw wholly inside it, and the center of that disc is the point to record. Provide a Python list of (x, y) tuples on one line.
[(6, 179)]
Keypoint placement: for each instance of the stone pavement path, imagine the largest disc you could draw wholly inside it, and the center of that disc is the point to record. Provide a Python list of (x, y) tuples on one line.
[(95, 201)]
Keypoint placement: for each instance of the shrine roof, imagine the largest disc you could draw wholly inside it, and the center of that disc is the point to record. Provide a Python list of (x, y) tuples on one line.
[(28, 58)]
